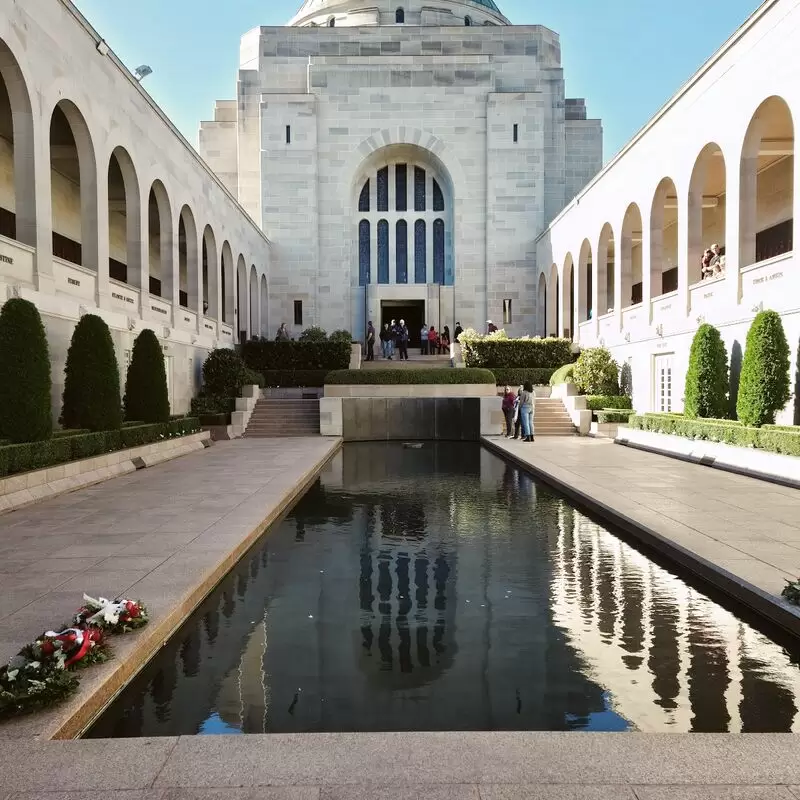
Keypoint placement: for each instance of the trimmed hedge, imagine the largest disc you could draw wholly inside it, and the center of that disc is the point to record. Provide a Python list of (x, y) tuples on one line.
[(223, 373), (517, 353), (773, 440), (146, 395), (25, 414), (596, 372), (403, 377), (565, 374), (18, 458), (295, 378), (537, 376), (606, 402), (212, 420), (706, 388), (305, 355), (614, 415)]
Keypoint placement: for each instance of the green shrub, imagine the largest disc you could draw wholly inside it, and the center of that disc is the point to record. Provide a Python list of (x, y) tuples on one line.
[(565, 374), (25, 414), (488, 353), (146, 395), (596, 372), (537, 376), (295, 378), (764, 387), (345, 337), (212, 404), (253, 378), (91, 385), (69, 432), (264, 357), (599, 402), (618, 415), (402, 377), (314, 334), (213, 420), (88, 445), (706, 393), (223, 373)]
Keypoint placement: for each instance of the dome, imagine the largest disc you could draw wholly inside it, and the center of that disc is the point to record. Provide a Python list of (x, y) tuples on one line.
[(382, 12), (487, 4)]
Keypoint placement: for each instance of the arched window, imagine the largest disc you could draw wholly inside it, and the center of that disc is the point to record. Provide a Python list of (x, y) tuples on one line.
[(332, 22), (383, 251), (438, 197), (383, 189), (420, 253), (401, 252), (399, 16), (363, 252), (468, 21), (363, 200), (438, 251), (419, 189)]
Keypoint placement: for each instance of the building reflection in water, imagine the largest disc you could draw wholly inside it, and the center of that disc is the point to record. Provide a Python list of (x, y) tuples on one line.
[(441, 589)]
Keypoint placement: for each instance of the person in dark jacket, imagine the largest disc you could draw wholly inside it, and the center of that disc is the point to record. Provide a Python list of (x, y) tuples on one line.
[(509, 399), (386, 341), (402, 340), (370, 342), (458, 331)]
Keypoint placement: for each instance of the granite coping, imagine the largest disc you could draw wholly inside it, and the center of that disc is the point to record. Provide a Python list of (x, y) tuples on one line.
[(735, 532), (165, 535)]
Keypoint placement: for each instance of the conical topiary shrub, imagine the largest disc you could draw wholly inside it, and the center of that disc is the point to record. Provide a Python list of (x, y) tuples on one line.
[(146, 396), (764, 382), (91, 386), (25, 414), (706, 392)]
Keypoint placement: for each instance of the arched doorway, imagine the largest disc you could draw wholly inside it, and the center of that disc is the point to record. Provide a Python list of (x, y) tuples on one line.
[(124, 221), (664, 239), (159, 226)]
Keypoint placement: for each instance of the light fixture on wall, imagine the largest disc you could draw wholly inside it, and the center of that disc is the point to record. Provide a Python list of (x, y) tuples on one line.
[(102, 47), (602, 341), (131, 323), (142, 72), (757, 308), (701, 319), (627, 336)]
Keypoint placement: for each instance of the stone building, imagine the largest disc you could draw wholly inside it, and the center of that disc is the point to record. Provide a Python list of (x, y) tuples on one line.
[(402, 157)]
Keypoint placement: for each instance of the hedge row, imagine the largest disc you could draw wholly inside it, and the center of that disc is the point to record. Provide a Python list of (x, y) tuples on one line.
[(17, 458), (263, 356), (511, 353), (773, 440), (606, 402), (537, 376), (402, 377), (619, 415), (563, 374), (295, 378)]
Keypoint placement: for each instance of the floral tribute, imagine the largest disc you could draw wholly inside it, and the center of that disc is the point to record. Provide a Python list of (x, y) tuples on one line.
[(42, 674)]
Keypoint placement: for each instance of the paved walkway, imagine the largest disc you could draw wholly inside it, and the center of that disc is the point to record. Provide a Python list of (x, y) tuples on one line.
[(747, 527), (165, 535), (409, 766)]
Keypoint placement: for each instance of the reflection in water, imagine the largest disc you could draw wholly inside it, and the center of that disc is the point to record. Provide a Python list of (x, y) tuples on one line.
[(441, 589)]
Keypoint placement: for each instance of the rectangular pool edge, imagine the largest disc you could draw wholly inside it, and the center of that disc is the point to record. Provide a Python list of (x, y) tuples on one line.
[(767, 606), (153, 636)]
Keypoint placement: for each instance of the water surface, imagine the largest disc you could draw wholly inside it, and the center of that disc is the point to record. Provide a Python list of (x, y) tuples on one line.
[(443, 589)]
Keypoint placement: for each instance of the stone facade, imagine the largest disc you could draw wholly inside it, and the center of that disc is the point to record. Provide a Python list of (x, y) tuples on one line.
[(348, 95)]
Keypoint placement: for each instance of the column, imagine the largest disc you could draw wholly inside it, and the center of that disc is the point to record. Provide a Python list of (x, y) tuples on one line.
[(175, 260), (684, 251), (580, 296), (733, 187), (648, 278), (196, 284), (595, 326), (141, 245), (94, 230), (38, 221), (563, 301), (623, 268)]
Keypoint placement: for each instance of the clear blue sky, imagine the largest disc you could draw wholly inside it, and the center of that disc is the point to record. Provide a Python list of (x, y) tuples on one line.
[(626, 57)]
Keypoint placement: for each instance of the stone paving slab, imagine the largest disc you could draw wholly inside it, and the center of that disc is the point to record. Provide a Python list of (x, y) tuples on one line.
[(740, 533), (165, 535)]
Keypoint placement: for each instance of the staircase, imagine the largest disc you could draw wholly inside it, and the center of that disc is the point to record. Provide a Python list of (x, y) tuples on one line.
[(552, 419), (283, 418)]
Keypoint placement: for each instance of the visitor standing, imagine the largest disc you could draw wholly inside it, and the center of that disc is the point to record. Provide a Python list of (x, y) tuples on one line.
[(517, 413), (402, 340), (423, 340), (386, 338), (491, 327), (432, 340), (392, 338), (509, 398), (526, 412), (444, 344), (283, 333), (370, 342), (459, 330)]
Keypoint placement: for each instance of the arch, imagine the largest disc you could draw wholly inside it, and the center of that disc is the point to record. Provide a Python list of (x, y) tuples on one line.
[(585, 281), (400, 16), (766, 171), (255, 320), (568, 298), (664, 239), (468, 20), (605, 270), (124, 220), (210, 307), (332, 22), (227, 294), (553, 311), (242, 302), (706, 217), (264, 306), (541, 305), (16, 131), (73, 174), (159, 241), (630, 257), (188, 261)]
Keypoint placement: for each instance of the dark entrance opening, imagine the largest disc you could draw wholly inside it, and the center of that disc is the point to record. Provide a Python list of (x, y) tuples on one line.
[(412, 311)]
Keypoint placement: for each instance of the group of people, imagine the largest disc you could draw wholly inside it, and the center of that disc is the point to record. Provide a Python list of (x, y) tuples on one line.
[(518, 410), (713, 262), (394, 339), (434, 343)]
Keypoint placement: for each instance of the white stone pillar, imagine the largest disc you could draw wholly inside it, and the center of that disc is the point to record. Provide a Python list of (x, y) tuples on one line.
[(175, 259), (564, 320), (40, 225), (139, 242), (648, 277), (94, 231), (623, 271), (596, 296), (196, 279), (732, 232), (748, 193), (683, 254)]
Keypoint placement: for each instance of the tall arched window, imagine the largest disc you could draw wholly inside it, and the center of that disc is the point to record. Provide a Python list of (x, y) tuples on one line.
[(383, 251), (399, 16), (438, 197), (364, 255), (332, 22), (420, 252), (438, 251), (363, 200), (468, 21), (401, 252)]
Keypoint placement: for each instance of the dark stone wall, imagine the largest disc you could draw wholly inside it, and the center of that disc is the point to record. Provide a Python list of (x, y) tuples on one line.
[(367, 419)]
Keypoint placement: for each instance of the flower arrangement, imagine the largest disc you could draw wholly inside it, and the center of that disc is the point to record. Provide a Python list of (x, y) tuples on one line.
[(43, 672)]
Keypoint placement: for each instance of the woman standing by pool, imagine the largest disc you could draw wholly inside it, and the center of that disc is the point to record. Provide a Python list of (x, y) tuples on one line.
[(526, 411)]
